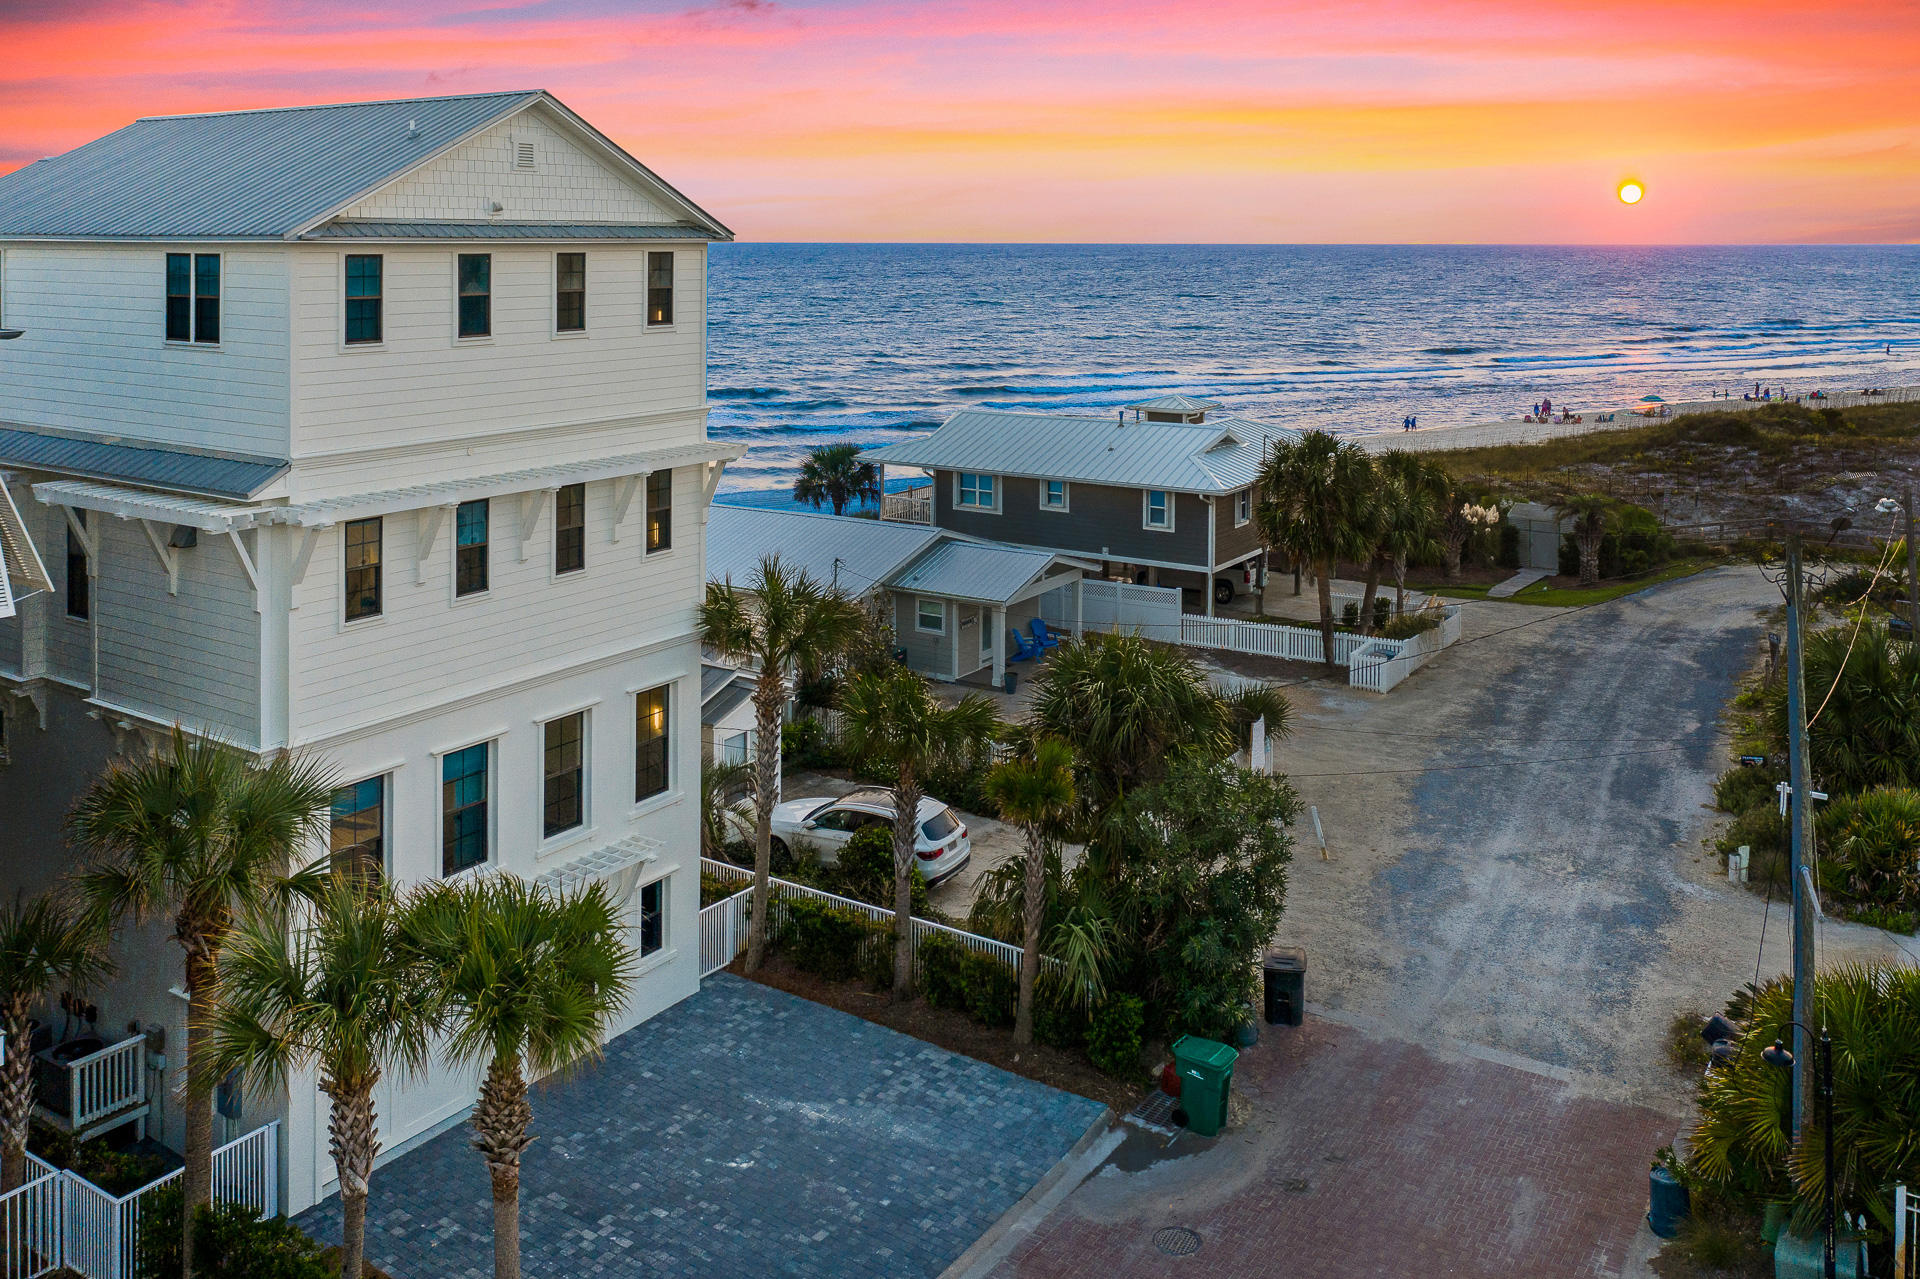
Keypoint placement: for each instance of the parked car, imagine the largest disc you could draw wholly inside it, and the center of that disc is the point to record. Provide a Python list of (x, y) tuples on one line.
[(825, 826)]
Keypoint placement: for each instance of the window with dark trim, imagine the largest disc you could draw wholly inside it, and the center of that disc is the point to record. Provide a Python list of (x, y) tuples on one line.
[(570, 528), (363, 568), (463, 808), (659, 288), (570, 292), (356, 838), (193, 297), (470, 521), (564, 798), (659, 511), (653, 933), (363, 297), (79, 588), (650, 743), (476, 295)]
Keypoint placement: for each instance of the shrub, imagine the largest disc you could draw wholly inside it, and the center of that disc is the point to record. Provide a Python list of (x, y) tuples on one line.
[(715, 888), (1904, 922), (1408, 625), (804, 744), (831, 941), (1508, 556), (1382, 610), (115, 1171), (989, 985), (1765, 835), (1059, 1019), (1113, 1036), (1873, 841), (229, 1243), (1743, 787), (1634, 543), (940, 961), (1350, 615), (865, 871)]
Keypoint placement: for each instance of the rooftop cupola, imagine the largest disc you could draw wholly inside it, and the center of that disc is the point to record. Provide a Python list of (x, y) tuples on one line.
[(1174, 408)]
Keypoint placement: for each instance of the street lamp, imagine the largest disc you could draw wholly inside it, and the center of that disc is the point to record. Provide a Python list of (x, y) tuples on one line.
[(1781, 1056)]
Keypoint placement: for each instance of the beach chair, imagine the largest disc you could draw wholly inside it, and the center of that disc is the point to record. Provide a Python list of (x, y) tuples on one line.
[(1041, 635), (1021, 648)]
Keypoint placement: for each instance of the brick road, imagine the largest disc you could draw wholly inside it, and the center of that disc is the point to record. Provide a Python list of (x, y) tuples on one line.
[(1362, 1157)]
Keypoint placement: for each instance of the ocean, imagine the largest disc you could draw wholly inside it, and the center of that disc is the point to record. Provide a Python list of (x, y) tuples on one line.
[(814, 343)]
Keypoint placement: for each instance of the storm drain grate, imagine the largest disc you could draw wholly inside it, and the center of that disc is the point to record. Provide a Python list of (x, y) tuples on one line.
[(1176, 1241)]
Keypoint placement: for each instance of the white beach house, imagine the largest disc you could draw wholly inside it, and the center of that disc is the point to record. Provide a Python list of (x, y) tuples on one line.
[(377, 431)]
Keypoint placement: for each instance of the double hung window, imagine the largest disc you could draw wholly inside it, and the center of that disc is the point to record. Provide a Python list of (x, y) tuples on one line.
[(470, 547), (659, 289), (364, 296), (1053, 495), (357, 836), (79, 587), (565, 772), (193, 297), (650, 743), (464, 786), (476, 295), (362, 568), (931, 616), (659, 511), (1159, 504), (570, 292), (653, 918), (570, 528)]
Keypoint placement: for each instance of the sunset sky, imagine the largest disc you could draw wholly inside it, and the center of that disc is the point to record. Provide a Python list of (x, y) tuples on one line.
[(1097, 120)]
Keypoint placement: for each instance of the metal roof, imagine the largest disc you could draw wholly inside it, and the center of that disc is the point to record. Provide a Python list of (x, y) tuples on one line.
[(868, 552), (1176, 404), (713, 678), (268, 174), (348, 229), (729, 700), (212, 474), (1215, 457), (973, 571)]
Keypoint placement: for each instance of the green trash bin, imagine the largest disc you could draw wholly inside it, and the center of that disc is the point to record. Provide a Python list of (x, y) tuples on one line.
[(1206, 1073)]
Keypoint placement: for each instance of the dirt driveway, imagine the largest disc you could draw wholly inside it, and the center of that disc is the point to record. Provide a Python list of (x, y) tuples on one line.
[(1517, 903)]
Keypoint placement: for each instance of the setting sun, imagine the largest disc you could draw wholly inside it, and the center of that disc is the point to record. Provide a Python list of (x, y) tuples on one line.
[(1630, 192)]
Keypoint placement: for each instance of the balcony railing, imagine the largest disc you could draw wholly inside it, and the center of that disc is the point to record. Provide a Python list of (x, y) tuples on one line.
[(90, 1093), (909, 506)]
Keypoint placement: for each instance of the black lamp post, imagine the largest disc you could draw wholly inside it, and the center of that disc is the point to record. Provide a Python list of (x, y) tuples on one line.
[(1781, 1056)]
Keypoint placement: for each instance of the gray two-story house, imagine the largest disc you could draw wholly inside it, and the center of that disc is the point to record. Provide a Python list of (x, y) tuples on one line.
[(1161, 493)]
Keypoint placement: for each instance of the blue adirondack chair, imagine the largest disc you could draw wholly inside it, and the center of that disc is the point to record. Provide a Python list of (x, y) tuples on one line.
[(1042, 636), (1023, 648)]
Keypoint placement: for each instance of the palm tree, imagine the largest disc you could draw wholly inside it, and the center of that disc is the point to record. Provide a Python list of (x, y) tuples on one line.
[(1035, 793), (834, 473), (1313, 505), (1460, 518), (893, 722), (1865, 725), (339, 992), (780, 622), (44, 943), (718, 785), (531, 981), (200, 833), (1414, 493), (1590, 512)]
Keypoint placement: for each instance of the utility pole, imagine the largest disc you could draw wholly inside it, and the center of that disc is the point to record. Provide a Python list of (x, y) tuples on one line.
[(1801, 811)]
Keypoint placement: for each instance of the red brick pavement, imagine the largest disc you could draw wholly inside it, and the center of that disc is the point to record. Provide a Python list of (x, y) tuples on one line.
[(1372, 1157)]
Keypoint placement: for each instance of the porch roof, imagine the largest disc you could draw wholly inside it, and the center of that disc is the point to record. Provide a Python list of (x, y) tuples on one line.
[(980, 573)]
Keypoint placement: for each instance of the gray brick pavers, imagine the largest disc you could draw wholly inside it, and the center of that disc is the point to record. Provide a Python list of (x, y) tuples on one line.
[(742, 1132)]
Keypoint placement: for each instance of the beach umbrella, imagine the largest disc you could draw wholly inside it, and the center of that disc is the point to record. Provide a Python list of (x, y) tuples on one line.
[(1651, 399)]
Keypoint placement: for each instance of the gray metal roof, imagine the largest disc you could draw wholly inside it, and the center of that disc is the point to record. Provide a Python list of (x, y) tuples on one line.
[(973, 571), (270, 174), (236, 174), (1219, 456), (344, 229), (214, 475), (713, 678), (868, 551), (1176, 404), (728, 701)]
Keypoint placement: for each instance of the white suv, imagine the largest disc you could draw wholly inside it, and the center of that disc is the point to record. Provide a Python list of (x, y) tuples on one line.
[(825, 825)]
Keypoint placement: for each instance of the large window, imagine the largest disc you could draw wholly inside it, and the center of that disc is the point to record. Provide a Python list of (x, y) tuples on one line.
[(650, 743), (463, 808), (476, 295), (363, 297), (79, 592), (566, 774), (193, 297), (653, 919), (659, 511), (357, 837), (470, 547), (363, 568), (570, 292), (975, 491), (1159, 509), (570, 528), (659, 288)]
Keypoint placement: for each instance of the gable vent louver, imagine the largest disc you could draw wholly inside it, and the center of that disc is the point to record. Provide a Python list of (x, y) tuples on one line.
[(523, 155)]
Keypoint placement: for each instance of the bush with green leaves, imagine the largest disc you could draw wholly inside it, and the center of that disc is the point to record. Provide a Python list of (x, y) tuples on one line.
[(1350, 614), (1634, 543), (1863, 697), (864, 871), (1870, 847), (1762, 832), (230, 1242), (1060, 1016), (1114, 1035), (831, 941), (1382, 610), (805, 743), (1746, 787), (1408, 625)]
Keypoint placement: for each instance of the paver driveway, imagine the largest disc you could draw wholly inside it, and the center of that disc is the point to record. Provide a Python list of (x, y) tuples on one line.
[(742, 1132)]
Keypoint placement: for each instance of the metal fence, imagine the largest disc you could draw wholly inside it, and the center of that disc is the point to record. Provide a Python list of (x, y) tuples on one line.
[(725, 922), (61, 1219)]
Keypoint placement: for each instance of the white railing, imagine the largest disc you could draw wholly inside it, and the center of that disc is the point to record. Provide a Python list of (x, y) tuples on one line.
[(914, 506), (785, 890), (1906, 1234), (62, 1219), (723, 931), (107, 1082), (1373, 663)]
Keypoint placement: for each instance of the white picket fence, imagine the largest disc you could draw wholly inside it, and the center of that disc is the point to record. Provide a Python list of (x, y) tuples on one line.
[(728, 929), (61, 1219), (1372, 663)]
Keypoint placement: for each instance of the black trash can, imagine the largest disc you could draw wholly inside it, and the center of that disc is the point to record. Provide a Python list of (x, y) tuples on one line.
[(1285, 974)]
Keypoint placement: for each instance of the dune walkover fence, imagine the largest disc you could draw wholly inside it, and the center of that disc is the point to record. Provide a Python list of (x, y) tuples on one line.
[(723, 925)]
